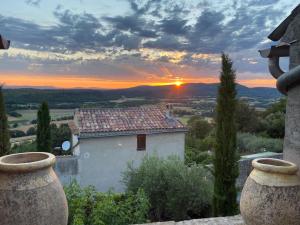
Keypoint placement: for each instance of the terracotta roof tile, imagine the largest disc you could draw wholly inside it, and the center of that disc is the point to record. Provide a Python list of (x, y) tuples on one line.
[(145, 118)]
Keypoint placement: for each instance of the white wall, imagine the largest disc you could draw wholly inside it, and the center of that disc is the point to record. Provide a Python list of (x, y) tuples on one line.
[(102, 160)]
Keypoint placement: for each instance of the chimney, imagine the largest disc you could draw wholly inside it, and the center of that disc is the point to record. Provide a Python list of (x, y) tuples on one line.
[(169, 113)]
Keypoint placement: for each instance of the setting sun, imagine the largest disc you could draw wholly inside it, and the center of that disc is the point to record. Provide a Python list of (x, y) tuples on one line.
[(178, 83)]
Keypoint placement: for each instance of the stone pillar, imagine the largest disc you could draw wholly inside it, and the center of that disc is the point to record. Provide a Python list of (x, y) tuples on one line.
[(291, 150)]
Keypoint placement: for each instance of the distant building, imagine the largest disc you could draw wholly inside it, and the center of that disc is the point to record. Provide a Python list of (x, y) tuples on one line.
[(107, 140)]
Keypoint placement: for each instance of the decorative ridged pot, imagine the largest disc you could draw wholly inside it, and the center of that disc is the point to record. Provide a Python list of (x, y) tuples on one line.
[(30, 192), (271, 195)]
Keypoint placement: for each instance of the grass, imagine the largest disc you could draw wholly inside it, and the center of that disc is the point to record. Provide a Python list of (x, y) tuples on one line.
[(184, 119), (30, 114), (24, 122)]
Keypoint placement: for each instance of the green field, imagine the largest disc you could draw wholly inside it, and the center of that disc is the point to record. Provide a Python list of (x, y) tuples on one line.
[(29, 115), (184, 119)]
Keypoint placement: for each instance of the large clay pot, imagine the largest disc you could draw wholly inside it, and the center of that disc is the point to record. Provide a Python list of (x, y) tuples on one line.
[(30, 192), (271, 195)]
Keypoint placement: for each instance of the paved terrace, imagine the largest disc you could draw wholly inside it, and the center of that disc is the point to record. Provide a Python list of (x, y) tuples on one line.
[(234, 220)]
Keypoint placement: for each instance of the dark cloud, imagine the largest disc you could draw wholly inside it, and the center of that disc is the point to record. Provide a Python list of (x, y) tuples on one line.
[(128, 42), (166, 42), (143, 7), (79, 30), (33, 2), (174, 25), (132, 24), (27, 34), (263, 2)]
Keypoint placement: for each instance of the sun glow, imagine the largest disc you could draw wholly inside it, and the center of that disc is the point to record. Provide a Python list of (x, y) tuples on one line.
[(178, 83)]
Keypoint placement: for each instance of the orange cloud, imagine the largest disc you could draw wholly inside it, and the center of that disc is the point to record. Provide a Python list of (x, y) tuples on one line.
[(69, 81), (258, 82)]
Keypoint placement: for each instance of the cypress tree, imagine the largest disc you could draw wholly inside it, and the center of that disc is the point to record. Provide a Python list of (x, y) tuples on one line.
[(43, 129), (225, 160), (4, 133)]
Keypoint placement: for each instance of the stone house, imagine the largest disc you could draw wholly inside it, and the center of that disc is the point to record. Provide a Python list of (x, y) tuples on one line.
[(106, 140)]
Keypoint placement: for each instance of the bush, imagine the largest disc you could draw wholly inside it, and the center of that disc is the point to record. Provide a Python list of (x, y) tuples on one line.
[(25, 147), (274, 124), (198, 127), (31, 131), (175, 190), (17, 133), (89, 207), (249, 143), (14, 114)]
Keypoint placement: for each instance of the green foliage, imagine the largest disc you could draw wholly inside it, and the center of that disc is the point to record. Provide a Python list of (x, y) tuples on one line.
[(31, 131), (175, 190), (199, 141), (4, 133), (198, 127), (43, 129), (273, 120), (25, 147), (192, 155), (17, 133), (246, 118), (225, 162), (276, 107), (14, 114), (199, 150), (250, 143), (274, 124), (89, 207), (59, 135)]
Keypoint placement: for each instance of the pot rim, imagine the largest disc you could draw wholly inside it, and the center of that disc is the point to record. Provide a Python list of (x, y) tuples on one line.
[(275, 166), (26, 162)]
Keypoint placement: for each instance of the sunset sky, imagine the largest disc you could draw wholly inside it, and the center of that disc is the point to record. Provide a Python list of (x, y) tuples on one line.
[(125, 43)]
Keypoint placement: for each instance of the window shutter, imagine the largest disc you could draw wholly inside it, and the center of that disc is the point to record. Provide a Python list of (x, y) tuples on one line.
[(141, 142)]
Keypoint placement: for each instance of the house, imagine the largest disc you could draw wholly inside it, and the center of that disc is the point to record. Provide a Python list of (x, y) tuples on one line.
[(106, 140)]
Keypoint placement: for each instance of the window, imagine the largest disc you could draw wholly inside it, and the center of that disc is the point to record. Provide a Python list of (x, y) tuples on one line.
[(141, 142)]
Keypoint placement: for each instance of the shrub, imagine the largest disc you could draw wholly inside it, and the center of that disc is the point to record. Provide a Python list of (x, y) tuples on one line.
[(17, 133), (176, 191), (14, 114), (25, 147), (89, 207), (31, 131), (250, 143)]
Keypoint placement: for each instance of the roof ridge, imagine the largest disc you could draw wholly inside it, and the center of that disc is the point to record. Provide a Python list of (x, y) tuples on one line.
[(122, 108)]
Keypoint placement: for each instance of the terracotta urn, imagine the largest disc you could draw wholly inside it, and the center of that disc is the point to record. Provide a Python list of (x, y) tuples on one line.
[(271, 195), (30, 192)]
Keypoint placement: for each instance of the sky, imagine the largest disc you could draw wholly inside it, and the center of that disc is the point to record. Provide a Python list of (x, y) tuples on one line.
[(126, 43)]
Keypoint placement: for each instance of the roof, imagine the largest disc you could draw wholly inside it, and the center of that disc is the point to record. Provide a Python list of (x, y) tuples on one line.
[(100, 122), (281, 29)]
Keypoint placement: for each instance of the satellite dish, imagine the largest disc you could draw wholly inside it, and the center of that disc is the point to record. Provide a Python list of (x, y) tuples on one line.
[(66, 145)]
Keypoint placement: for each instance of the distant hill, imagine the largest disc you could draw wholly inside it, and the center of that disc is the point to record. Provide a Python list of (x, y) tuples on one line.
[(77, 96)]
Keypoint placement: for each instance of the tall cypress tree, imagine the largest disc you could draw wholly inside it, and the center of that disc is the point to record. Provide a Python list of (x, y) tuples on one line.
[(225, 160), (43, 129), (4, 133)]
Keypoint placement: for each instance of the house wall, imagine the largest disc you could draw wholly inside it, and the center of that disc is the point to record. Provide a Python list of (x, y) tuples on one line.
[(103, 160), (66, 168)]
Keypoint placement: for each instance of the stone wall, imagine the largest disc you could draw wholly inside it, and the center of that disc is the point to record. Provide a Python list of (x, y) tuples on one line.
[(66, 168), (245, 165), (233, 220)]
